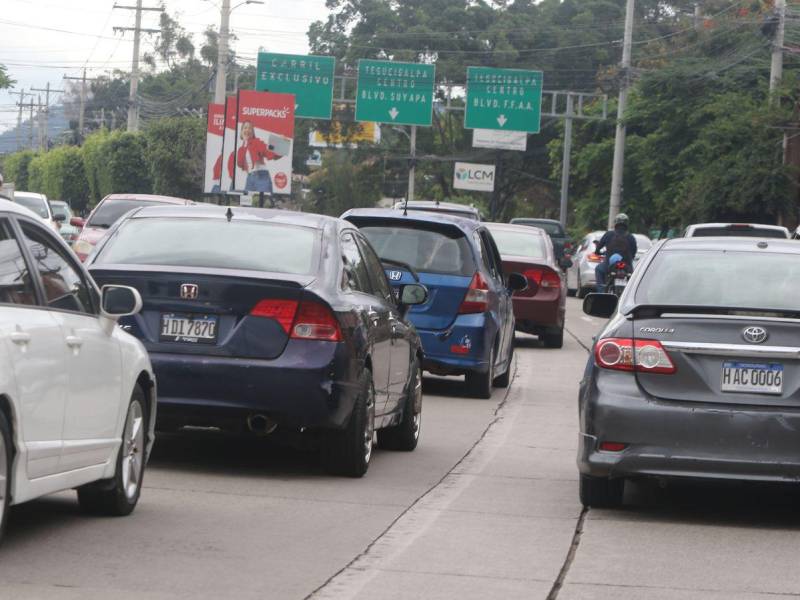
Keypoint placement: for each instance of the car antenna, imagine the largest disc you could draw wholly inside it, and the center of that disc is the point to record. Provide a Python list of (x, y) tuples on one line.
[(405, 207), (229, 214)]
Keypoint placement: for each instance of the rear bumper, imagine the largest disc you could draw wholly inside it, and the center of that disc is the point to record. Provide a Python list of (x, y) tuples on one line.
[(477, 332), (539, 313), (673, 439), (312, 384)]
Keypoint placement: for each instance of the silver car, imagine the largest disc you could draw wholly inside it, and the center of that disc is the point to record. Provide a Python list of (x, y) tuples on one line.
[(580, 276), (697, 374)]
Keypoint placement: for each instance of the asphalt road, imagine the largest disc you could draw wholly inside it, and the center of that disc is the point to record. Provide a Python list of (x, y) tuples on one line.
[(486, 507)]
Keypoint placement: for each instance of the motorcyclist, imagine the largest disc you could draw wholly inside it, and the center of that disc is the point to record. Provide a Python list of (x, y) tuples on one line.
[(617, 241)]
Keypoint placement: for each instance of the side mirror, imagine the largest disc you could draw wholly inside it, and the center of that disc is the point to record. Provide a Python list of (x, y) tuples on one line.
[(600, 305), (517, 282), (413, 294), (77, 222), (59, 217), (120, 301)]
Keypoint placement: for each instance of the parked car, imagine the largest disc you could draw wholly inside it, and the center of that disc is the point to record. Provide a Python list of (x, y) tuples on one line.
[(540, 309), (696, 373), (581, 277), (270, 320), (561, 241), (38, 204), (449, 208), (736, 229), (111, 208), (63, 214), (467, 323), (77, 394)]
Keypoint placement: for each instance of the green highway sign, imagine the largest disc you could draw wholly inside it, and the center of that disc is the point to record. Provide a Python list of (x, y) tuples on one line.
[(395, 92), (309, 78), (505, 99)]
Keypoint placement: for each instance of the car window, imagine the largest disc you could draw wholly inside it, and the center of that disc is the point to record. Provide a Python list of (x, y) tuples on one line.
[(377, 275), (61, 209), (64, 285), (517, 243), (738, 232), (354, 274), (16, 286), (486, 254), (109, 211), (34, 203)]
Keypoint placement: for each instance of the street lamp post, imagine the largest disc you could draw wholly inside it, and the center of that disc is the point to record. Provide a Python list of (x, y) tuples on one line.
[(222, 47), (412, 163)]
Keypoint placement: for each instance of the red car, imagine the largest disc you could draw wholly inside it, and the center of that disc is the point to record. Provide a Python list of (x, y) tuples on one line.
[(106, 213), (540, 309)]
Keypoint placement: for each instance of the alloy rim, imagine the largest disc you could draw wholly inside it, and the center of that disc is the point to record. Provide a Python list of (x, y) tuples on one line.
[(133, 451), (369, 428), (3, 475), (416, 406)]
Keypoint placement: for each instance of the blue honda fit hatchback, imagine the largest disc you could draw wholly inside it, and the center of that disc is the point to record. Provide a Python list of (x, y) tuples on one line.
[(467, 324)]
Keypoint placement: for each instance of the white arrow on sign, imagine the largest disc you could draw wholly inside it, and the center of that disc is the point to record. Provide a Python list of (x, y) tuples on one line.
[(502, 120), (393, 113)]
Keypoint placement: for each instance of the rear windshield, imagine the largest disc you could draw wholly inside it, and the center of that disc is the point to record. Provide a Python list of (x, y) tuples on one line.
[(515, 243), (738, 232), (758, 280), (642, 242), (60, 209), (111, 210), (425, 250), (553, 229), (450, 211), (37, 205), (215, 244)]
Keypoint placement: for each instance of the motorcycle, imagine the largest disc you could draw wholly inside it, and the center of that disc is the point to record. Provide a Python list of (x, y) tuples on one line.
[(618, 275)]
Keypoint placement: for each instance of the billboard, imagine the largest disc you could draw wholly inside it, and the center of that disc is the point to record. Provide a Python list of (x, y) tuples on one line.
[(359, 133), (469, 176), (214, 130), (264, 142), (500, 140), (229, 144)]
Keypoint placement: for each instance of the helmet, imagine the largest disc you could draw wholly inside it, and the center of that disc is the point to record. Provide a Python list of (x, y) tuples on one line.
[(621, 219)]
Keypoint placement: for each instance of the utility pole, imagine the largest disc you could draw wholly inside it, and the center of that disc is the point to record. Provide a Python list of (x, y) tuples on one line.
[(776, 67), (619, 139), (82, 113), (30, 124), (565, 161), (47, 91), (22, 93), (133, 106), (39, 123), (412, 163), (222, 52)]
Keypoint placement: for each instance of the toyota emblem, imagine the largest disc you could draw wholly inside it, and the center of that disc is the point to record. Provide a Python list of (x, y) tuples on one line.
[(189, 291), (755, 335)]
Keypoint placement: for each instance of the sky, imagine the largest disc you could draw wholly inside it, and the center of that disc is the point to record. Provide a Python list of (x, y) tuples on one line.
[(43, 40)]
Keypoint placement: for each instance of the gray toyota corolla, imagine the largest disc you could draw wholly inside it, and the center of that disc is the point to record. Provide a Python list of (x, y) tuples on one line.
[(697, 373)]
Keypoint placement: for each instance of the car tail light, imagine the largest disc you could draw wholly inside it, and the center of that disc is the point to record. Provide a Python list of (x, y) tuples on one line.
[(612, 446), (543, 278), (593, 257), (315, 321), (642, 356), (476, 299), (282, 311)]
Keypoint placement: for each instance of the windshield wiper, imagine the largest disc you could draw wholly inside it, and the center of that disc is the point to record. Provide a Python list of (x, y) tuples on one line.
[(402, 265)]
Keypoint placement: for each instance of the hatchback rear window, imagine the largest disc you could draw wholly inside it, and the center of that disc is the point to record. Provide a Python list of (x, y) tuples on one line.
[(215, 244), (515, 243), (37, 205), (553, 229), (426, 250), (757, 280), (109, 211), (738, 232)]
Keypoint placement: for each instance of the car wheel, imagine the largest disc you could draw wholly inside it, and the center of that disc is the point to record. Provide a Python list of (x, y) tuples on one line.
[(555, 339), (601, 492), (5, 471), (480, 384), (118, 496), (502, 381), (351, 448), (405, 435)]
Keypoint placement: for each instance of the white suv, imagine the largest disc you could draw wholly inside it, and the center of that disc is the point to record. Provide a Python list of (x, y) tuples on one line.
[(77, 394)]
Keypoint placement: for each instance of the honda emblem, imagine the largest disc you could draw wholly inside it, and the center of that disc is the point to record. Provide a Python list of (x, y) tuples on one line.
[(189, 291)]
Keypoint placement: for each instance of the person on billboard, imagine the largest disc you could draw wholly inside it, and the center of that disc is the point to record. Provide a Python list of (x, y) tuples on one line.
[(217, 174), (252, 158)]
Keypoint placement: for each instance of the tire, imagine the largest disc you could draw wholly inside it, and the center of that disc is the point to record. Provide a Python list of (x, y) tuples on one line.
[(350, 450), (118, 496), (581, 290), (480, 384), (5, 472), (601, 492), (502, 381), (405, 436), (554, 340)]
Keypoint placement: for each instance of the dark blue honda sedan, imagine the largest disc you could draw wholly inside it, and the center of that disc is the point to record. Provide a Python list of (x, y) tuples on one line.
[(467, 323), (265, 320)]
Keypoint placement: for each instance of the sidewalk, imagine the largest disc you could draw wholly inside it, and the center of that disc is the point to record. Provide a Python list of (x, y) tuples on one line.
[(501, 523)]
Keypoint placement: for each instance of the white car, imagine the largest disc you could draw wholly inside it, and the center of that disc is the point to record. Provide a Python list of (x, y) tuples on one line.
[(77, 394), (40, 206), (580, 276), (737, 230)]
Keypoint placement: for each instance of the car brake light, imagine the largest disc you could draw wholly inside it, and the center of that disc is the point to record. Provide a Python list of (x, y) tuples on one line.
[(282, 311), (543, 278), (612, 446), (476, 299), (315, 321), (593, 257), (642, 356)]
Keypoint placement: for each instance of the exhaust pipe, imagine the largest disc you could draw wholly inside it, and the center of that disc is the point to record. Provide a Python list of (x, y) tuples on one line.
[(261, 424)]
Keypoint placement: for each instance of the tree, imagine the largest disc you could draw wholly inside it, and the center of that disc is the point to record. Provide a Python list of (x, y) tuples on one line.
[(176, 156), (16, 167), (344, 183), (5, 80)]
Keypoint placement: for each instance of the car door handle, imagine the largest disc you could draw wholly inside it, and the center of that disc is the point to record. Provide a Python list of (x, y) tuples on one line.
[(73, 341), (374, 316), (20, 338)]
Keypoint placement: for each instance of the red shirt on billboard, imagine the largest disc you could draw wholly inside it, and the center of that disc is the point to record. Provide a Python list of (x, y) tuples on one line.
[(266, 130)]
